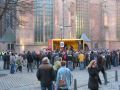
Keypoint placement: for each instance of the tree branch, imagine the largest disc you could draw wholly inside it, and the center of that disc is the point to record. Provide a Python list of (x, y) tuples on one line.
[(19, 5)]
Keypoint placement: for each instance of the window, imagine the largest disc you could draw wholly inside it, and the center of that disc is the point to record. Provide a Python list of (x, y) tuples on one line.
[(82, 17), (10, 46), (43, 22)]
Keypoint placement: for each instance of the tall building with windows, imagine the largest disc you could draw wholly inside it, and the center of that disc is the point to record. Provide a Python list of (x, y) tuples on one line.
[(64, 18), (1, 2), (25, 30), (44, 20), (95, 23), (49, 19), (103, 24), (109, 30), (118, 19), (37, 26), (8, 26), (82, 17)]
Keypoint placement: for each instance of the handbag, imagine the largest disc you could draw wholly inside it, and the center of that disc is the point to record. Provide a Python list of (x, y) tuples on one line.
[(62, 81)]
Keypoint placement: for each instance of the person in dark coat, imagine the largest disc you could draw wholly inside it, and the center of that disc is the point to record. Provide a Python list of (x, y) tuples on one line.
[(108, 62), (29, 61), (46, 75), (5, 61), (39, 59), (8, 60), (101, 68), (93, 83), (92, 56)]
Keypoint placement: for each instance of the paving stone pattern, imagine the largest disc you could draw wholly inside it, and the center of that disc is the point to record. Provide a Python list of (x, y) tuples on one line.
[(28, 81), (17, 80)]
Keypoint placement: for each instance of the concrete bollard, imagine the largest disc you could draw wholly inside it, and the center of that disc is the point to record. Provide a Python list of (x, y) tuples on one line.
[(75, 84), (105, 77), (116, 76)]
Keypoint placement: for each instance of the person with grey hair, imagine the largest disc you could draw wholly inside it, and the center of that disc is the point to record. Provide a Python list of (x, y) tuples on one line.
[(45, 74), (45, 59)]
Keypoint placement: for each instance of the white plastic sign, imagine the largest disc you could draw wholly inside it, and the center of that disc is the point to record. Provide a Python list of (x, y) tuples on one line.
[(61, 44)]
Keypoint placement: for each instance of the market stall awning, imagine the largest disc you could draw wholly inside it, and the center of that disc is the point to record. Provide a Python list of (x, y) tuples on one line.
[(85, 38)]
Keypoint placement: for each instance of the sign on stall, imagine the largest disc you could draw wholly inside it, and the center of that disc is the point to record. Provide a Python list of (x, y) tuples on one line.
[(61, 44)]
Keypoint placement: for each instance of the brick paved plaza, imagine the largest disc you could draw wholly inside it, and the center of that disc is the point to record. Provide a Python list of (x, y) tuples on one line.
[(28, 81)]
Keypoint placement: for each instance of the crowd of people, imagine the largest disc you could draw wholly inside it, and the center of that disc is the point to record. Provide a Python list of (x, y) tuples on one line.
[(57, 65)]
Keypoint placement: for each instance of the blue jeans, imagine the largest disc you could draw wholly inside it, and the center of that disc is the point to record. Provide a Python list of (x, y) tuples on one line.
[(48, 87), (70, 65), (12, 68), (81, 65)]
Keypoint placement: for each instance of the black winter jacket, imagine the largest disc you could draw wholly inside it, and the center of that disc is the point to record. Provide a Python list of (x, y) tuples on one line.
[(45, 74), (93, 82)]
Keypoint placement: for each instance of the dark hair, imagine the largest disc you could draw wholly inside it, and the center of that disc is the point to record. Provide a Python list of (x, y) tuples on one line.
[(12, 54), (100, 59), (92, 52)]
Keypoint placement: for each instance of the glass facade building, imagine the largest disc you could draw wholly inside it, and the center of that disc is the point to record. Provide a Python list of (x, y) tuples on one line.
[(43, 20), (82, 17)]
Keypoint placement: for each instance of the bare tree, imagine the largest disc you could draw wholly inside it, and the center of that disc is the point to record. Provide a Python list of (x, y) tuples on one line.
[(22, 6)]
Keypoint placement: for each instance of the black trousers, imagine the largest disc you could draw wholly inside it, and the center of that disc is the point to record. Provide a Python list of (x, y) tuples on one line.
[(93, 89), (104, 75), (19, 68)]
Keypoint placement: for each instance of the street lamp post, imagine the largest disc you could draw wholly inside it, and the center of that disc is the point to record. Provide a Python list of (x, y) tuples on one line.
[(61, 28), (63, 18), (44, 21)]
